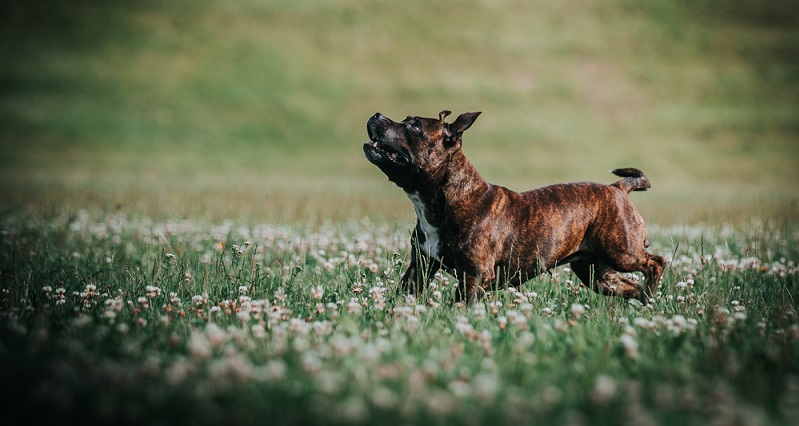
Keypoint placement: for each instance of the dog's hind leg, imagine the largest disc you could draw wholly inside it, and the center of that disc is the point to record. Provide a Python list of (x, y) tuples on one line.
[(601, 278), (653, 270)]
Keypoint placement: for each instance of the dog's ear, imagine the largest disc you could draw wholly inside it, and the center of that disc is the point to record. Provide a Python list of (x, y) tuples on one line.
[(460, 125), (443, 114)]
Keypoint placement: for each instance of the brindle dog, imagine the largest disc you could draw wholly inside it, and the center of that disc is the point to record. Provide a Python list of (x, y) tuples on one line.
[(488, 235)]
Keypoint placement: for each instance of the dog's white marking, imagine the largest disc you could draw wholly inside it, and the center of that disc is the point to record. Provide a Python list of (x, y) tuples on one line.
[(431, 241)]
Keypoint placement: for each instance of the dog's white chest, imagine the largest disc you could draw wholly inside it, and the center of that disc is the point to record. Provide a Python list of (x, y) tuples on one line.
[(431, 243)]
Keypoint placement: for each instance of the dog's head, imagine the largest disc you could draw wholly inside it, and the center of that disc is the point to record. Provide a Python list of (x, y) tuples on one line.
[(415, 150)]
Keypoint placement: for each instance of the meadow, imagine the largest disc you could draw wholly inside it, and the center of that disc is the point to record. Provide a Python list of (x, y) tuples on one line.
[(189, 232), (109, 319)]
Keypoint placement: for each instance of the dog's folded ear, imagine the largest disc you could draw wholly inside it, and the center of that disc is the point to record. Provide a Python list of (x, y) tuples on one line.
[(460, 125), (443, 114)]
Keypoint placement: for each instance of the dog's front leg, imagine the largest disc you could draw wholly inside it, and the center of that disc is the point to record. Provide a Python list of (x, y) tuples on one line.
[(420, 270), (473, 287)]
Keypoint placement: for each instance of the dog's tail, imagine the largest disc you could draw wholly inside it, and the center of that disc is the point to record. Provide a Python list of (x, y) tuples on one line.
[(634, 180)]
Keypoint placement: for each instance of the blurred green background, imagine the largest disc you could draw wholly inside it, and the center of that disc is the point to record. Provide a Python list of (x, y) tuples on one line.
[(257, 109)]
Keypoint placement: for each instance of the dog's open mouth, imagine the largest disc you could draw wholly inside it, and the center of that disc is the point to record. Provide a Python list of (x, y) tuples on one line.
[(377, 151)]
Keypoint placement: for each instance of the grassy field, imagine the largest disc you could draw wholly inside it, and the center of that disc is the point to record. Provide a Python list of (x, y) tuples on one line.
[(108, 319), (189, 232)]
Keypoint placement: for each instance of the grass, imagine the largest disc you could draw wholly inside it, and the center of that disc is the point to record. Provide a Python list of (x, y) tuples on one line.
[(116, 318)]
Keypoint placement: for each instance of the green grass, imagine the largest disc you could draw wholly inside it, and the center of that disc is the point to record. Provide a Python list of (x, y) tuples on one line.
[(118, 318)]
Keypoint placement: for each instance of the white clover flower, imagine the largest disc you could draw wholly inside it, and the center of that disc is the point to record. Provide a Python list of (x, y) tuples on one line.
[(258, 331), (310, 362), (525, 340), (353, 307), (630, 345), (503, 322), (274, 370), (317, 292), (384, 398), (604, 389), (215, 335), (577, 310)]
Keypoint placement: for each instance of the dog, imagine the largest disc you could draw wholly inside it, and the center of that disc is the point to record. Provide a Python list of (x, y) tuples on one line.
[(487, 235)]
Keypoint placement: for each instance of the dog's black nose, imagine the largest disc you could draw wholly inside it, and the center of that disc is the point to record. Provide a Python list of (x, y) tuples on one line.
[(377, 116)]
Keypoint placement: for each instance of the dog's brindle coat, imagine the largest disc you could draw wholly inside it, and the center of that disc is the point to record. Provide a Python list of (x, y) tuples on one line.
[(487, 235)]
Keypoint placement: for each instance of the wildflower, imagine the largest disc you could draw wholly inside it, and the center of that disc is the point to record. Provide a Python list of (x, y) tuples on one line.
[(604, 389), (280, 295), (310, 362), (179, 371), (630, 345), (479, 311), (486, 386), (503, 322), (317, 292), (242, 289), (384, 398), (641, 322), (353, 307), (258, 331), (215, 335), (169, 256), (577, 310), (525, 340), (274, 370)]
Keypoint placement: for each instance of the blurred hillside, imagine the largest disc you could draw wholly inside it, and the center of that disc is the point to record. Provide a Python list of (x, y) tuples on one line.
[(258, 109)]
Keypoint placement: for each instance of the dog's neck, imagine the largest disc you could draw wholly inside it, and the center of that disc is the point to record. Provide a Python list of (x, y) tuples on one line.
[(456, 186)]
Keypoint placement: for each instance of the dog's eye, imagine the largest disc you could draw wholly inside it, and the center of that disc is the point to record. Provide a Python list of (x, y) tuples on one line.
[(414, 125)]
